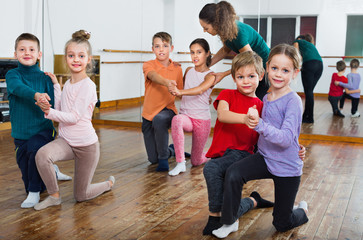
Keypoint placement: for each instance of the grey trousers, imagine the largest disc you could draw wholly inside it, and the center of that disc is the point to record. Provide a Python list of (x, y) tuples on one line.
[(156, 135), (85, 161)]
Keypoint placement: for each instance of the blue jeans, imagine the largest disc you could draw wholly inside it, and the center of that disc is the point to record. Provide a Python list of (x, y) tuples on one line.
[(25, 151), (214, 172), (156, 135)]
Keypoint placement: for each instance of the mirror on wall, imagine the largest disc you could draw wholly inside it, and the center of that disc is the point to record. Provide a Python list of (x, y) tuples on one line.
[(121, 39)]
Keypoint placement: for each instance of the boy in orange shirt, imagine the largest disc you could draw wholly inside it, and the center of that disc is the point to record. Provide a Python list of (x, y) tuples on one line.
[(159, 107)]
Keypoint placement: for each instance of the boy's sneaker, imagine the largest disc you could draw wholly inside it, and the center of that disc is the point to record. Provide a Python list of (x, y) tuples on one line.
[(339, 114), (355, 115)]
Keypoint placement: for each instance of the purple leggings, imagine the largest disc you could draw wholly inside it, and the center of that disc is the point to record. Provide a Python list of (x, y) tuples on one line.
[(200, 130)]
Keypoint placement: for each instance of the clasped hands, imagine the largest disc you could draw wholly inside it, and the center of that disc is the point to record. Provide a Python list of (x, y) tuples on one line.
[(173, 89), (252, 117), (42, 101)]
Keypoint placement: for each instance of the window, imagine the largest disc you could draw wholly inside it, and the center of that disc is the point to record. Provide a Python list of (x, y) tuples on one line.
[(354, 43)]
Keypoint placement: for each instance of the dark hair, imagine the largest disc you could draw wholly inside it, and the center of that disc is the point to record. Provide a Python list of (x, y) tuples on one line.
[(354, 63), (27, 36), (164, 36), (204, 44), (247, 58), (81, 37), (222, 17), (287, 50), (341, 66), (300, 37), (309, 38)]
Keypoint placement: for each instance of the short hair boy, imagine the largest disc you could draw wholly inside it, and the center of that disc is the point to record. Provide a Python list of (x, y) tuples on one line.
[(159, 107), (336, 92), (352, 88), (232, 139), (30, 130)]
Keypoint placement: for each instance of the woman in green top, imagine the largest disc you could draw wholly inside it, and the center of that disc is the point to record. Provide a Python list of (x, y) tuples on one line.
[(311, 71), (220, 19)]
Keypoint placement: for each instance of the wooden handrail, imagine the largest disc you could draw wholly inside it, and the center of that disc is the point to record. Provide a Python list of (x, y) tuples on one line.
[(121, 62), (347, 66), (183, 52), (342, 57), (125, 51)]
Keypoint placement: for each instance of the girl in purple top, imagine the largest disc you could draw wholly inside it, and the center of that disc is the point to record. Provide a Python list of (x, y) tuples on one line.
[(277, 157)]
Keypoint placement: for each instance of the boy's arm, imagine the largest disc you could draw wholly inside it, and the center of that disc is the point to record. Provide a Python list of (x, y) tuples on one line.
[(224, 115), (204, 86), (157, 78), (16, 87)]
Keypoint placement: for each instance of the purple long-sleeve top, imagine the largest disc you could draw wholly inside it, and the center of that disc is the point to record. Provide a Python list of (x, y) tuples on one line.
[(279, 130), (353, 83)]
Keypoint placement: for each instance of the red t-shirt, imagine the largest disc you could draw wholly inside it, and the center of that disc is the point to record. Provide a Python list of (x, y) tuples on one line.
[(336, 91), (234, 136)]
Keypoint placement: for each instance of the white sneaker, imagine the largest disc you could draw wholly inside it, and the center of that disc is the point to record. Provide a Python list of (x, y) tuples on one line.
[(180, 167), (61, 176), (355, 115), (225, 230)]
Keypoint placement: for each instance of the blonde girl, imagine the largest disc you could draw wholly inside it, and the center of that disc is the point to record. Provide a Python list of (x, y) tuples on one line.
[(77, 138), (194, 113), (278, 148)]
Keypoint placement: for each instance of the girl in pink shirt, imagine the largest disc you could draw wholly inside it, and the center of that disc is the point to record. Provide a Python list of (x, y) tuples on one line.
[(194, 110), (77, 138)]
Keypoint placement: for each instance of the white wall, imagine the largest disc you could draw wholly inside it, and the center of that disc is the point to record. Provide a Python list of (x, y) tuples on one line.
[(130, 25)]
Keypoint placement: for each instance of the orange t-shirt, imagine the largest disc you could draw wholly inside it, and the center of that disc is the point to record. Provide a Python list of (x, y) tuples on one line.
[(157, 96)]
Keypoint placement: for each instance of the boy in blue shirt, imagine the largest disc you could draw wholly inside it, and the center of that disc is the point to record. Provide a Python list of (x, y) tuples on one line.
[(30, 130)]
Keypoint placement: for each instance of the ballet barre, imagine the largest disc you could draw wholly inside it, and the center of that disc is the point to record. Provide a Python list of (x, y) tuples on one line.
[(125, 51), (346, 67), (343, 57), (122, 62)]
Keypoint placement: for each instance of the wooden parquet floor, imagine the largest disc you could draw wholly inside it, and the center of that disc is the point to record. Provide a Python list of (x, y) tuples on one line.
[(145, 204)]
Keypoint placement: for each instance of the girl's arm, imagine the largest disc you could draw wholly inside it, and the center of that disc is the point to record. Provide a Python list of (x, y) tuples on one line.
[(285, 135), (82, 105), (204, 86), (351, 91), (224, 115)]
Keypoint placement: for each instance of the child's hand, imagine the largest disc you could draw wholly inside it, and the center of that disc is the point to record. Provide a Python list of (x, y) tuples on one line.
[(302, 152), (175, 91), (252, 117), (336, 83), (42, 100), (52, 76), (171, 85)]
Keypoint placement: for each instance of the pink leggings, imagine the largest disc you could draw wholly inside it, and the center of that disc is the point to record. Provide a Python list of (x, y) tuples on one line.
[(85, 161), (200, 130)]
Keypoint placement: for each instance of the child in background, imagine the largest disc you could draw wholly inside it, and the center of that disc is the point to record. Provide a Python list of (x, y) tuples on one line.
[(194, 113), (353, 86), (278, 148), (232, 139), (77, 138), (335, 91), (30, 130), (159, 107)]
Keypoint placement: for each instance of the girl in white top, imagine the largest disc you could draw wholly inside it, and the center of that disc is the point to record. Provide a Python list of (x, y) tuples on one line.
[(194, 111), (77, 138)]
